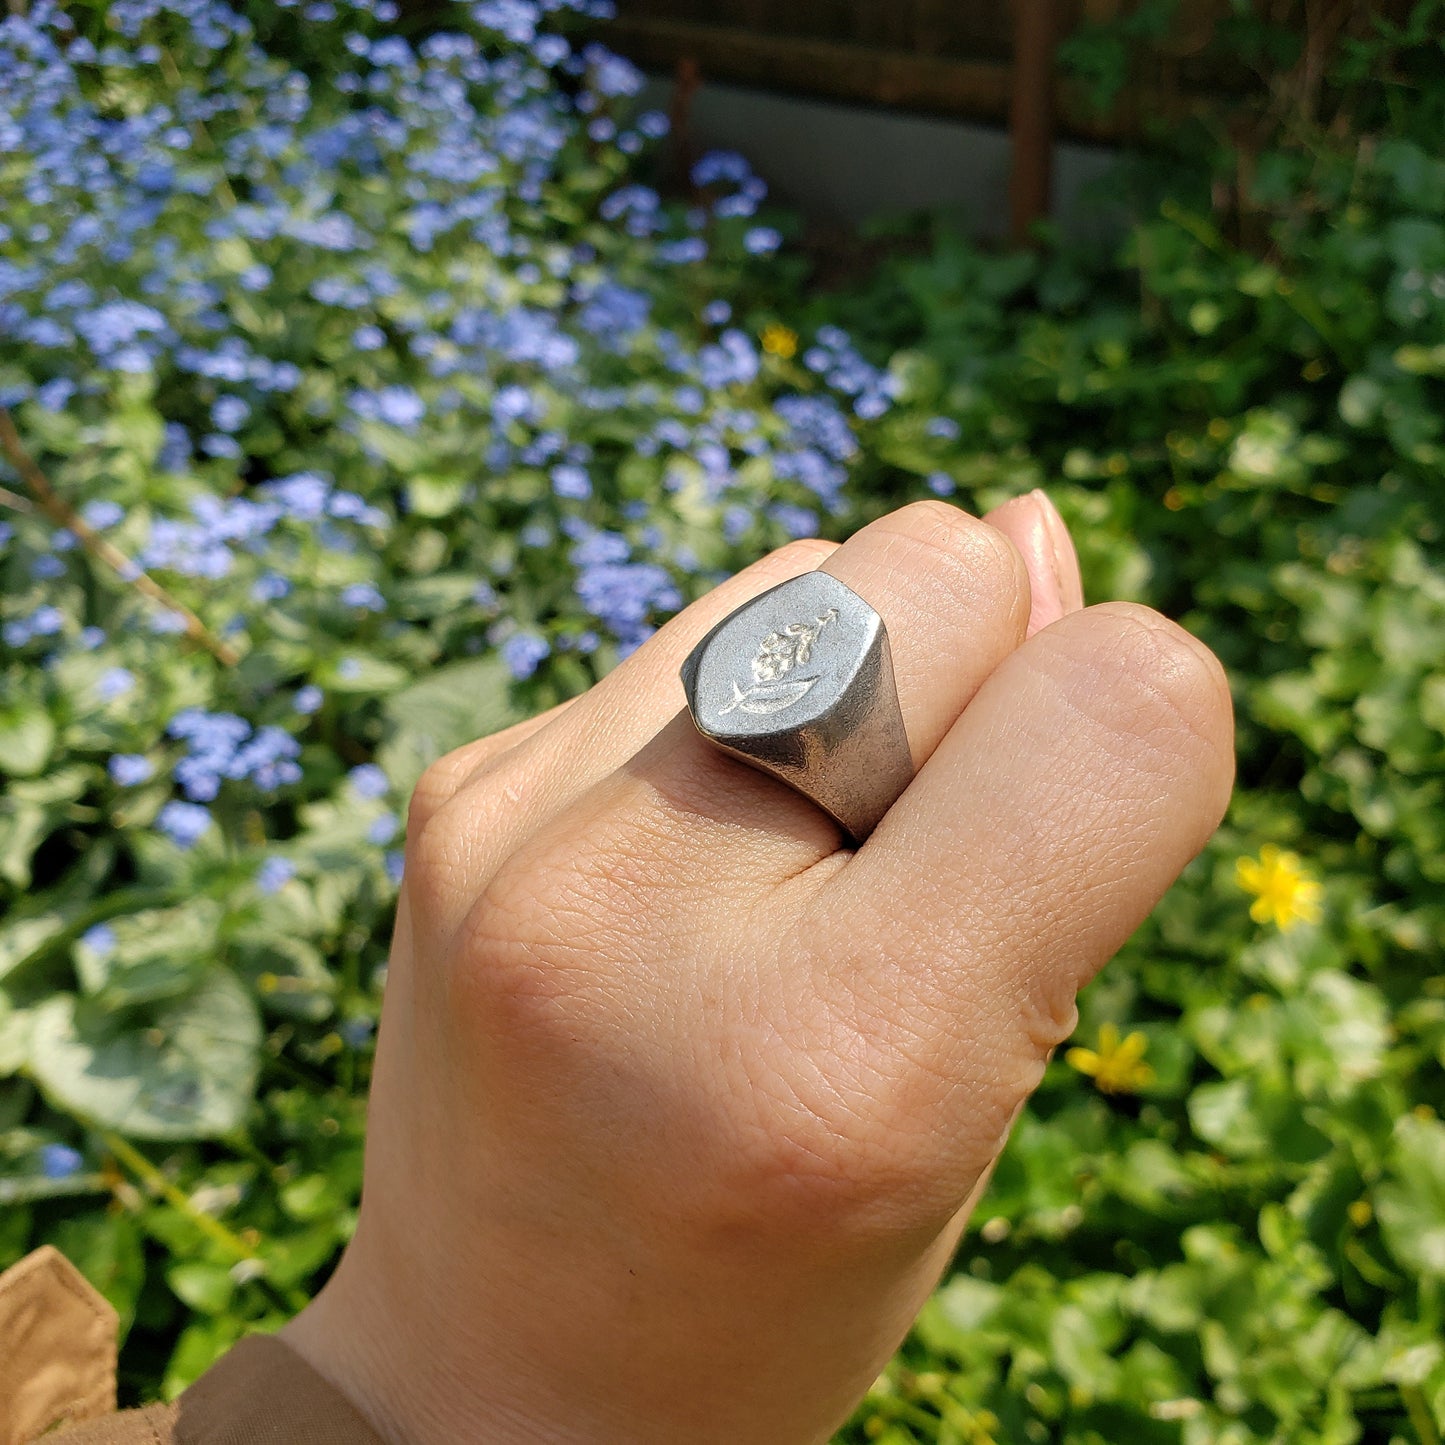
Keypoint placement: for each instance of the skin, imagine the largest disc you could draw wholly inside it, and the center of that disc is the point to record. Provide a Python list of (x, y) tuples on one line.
[(681, 1104)]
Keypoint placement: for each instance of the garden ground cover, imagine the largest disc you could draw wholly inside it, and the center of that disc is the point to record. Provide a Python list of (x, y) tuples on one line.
[(361, 396)]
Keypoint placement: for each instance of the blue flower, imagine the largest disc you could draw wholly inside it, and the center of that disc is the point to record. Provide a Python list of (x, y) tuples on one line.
[(610, 74), (185, 824), (369, 781), (731, 360), (397, 406), (394, 861), (941, 484), (102, 513), (683, 252), (795, 521), (114, 682), (229, 413), (308, 699), (514, 403), (129, 770), (110, 329), (274, 874), (99, 939), (762, 241), (571, 481), (363, 595), (60, 1161), (614, 313), (55, 393), (268, 759), (622, 595), (356, 1033), (721, 166), (523, 653), (382, 830)]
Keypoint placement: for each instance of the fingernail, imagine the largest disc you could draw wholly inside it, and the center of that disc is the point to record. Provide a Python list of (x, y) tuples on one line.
[(1063, 559)]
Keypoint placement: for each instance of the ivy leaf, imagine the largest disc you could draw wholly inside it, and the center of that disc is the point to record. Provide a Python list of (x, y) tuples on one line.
[(187, 1071)]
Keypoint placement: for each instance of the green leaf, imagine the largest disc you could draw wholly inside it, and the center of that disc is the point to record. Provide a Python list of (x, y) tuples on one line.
[(207, 1288), (14, 1037), (453, 706), (27, 736), (158, 953), (1411, 1205), (31, 810), (362, 673), (186, 1072)]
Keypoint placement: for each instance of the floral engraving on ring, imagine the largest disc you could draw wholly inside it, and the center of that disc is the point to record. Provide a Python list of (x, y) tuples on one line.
[(780, 652)]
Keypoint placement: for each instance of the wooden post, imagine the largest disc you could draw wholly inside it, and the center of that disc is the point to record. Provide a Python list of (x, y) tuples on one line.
[(1031, 115)]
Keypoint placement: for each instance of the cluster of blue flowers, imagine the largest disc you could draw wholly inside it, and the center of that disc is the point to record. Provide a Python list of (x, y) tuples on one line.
[(407, 312), (222, 746)]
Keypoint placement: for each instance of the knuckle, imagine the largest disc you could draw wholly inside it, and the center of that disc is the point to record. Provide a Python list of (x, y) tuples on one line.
[(976, 559), (1177, 680), (434, 789), (555, 922), (442, 837)]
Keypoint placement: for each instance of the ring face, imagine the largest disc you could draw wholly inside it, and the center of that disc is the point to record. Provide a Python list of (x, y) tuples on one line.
[(799, 683)]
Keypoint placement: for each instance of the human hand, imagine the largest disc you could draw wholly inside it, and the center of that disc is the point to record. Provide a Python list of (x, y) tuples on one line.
[(680, 1103)]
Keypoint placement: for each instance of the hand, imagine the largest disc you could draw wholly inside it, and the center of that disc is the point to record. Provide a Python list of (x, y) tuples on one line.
[(680, 1103)]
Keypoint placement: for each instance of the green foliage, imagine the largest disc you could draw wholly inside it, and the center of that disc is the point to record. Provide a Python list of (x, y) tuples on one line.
[(1246, 1248)]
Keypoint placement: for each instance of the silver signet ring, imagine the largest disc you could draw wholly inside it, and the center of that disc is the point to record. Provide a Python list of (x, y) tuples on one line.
[(799, 684)]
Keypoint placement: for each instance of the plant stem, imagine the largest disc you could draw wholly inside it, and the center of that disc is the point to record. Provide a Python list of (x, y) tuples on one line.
[(1419, 1413), (147, 1172), (64, 515), (213, 1229)]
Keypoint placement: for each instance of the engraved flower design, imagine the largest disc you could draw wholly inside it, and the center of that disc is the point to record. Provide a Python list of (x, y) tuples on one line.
[(778, 654)]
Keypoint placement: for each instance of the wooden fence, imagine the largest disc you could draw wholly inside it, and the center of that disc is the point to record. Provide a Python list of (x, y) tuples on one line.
[(982, 60)]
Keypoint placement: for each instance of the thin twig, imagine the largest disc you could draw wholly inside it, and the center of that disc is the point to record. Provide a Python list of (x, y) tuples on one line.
[(64, 515)]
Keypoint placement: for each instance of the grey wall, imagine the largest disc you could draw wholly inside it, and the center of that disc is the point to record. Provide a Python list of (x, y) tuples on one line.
[(843, 164)]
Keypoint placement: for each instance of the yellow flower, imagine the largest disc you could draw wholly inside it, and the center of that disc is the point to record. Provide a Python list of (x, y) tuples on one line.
[(1117, 1066), (779, 340), (1283, 892)]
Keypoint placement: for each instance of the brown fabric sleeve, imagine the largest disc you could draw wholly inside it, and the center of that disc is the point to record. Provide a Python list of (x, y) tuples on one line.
[(57, 1347), (261, 1393)]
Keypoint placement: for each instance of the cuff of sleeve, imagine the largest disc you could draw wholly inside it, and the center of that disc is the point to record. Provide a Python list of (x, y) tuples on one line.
[(260, 1393)]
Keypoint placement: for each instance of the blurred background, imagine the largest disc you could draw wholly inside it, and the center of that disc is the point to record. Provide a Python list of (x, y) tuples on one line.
[(374, 376)]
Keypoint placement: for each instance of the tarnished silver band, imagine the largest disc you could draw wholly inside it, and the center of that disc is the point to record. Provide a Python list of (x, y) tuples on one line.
[(799, 683)]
